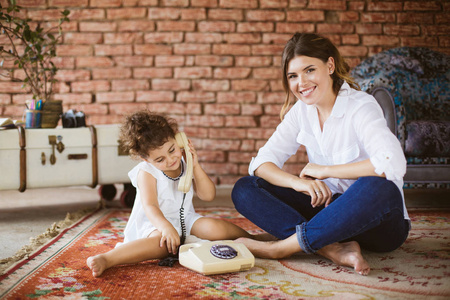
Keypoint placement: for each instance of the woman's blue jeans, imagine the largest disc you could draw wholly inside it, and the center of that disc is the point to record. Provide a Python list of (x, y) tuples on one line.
[(369, 212)]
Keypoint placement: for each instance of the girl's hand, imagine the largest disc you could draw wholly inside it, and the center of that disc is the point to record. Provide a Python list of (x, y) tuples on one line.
[(171, 238), (313, 171), (320, 193)]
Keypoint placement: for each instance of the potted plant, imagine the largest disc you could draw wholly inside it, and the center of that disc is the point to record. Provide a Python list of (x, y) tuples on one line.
[(30, 50)]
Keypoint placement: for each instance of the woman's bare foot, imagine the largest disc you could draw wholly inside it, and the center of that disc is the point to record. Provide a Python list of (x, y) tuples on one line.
[(346, 254), (272, 249), (97, 264)]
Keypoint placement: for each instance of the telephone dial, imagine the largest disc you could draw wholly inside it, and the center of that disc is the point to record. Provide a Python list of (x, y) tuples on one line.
[(216, 257)]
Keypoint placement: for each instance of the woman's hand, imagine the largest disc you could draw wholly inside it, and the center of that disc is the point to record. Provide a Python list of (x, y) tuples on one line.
[(171, 238), (320, 193), (314, 171)]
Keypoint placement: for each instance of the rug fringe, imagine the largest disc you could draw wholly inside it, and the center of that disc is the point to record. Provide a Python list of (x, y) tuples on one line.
[(51, 232)]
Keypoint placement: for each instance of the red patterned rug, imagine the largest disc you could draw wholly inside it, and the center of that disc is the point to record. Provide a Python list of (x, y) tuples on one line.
[(420, 269)]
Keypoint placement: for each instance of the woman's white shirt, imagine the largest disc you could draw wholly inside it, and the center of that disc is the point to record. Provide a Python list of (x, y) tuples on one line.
[(356, 130)]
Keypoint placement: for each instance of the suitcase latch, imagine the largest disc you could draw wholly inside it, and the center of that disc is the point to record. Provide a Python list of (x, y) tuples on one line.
[(52, 139)]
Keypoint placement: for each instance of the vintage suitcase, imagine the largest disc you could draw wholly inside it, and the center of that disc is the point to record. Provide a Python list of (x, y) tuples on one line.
[(12, 163), (37, 158)]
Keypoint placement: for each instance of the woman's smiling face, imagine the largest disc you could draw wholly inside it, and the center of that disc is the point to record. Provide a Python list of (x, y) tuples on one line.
[(309, 79)]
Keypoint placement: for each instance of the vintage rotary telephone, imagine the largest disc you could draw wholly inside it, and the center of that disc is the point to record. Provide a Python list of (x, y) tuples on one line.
[(207, 258), (185, 182)]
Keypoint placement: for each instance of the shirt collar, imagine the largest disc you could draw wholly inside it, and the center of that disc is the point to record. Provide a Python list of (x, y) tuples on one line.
[(340, 106)]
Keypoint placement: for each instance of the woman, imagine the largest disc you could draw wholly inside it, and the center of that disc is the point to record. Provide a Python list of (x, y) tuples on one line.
[(350, 193)]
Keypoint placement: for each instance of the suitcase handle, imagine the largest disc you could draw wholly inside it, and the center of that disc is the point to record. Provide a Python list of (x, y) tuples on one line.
[(77, 156)]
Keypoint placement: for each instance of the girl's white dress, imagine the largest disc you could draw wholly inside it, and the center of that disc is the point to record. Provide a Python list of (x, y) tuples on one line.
[(169, 199)]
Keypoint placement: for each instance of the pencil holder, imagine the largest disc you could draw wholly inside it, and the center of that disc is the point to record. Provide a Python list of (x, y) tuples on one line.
[(32, 118)]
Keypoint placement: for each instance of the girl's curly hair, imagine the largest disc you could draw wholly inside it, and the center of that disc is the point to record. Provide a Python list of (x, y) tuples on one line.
[(144, 131)]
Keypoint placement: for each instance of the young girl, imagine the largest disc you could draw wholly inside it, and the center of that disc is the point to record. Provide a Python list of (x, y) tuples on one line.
[(153, 229), (350, 193)]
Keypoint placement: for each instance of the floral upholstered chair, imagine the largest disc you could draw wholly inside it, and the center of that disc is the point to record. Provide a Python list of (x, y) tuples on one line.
[(412, 85)]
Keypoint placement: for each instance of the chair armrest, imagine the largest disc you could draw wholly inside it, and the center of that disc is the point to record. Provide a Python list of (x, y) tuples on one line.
[(384, 99)]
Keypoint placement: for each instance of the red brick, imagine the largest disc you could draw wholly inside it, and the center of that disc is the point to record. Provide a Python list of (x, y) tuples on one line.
[(111, 73), (360, 51), (253, 61), (238, 3), (247, 145), (249, 85), (216, 26), (267, 73), (152, 49), (260, 133), (175, 26), (11, 87), (191, 49), (167, 108), (211, 156), (271, 98), (106, 3), (352, 39), (222, 109), (273, 109), (97, 26), (255, 27), (171, 84), (273, 3), (422, 5), (222, 144), (210, 85), (213, 60), (240, 121), (5, 99), (163, 37), (435, 30), (193, 72), (104, 119), (44, 15), (112, 50), (133, 61), (401, 30), (73, 50), (124, 108), (349, 16), (305, 16), (377, 17), (267, 49), (327, 4), (231, 72), (242, 38), (276, 38), (419, 41), (226, 14), (204, 3), (196, 96), (182, 3), (276, 85), (240, 157), (90, 86), (265, 15), (169, 61), (13, 111), (356, 5), (252, 109), (114, 97), (335, 28), (196, 37), (372, 40), (228, 133), (236, 97), (63, 62), (87, 14), (126, 13), (369, 28), (136, 25), (154, 96), (205, 121), (34, 3), (129, 85), (94, 62), (220, 168), (234, 49), (152, 73), (193, 14), (74, 98), (166, 13), (294, 27), (91, 109), (417, 18), (440, 18), (72, 75), (123, 38), (385, 6)]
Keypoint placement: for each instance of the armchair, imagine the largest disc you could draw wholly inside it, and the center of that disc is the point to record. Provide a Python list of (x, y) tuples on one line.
[(412, 85)]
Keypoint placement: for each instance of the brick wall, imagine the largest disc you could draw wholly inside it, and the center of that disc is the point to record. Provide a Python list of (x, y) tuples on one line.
[(211, 64)]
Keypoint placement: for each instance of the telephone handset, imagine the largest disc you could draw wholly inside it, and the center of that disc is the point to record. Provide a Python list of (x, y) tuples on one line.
[(185, 182)]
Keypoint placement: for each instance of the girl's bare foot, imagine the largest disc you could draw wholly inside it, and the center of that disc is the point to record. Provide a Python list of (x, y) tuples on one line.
[(346, 254), (264, 237), (272, 249), (97, 264)]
